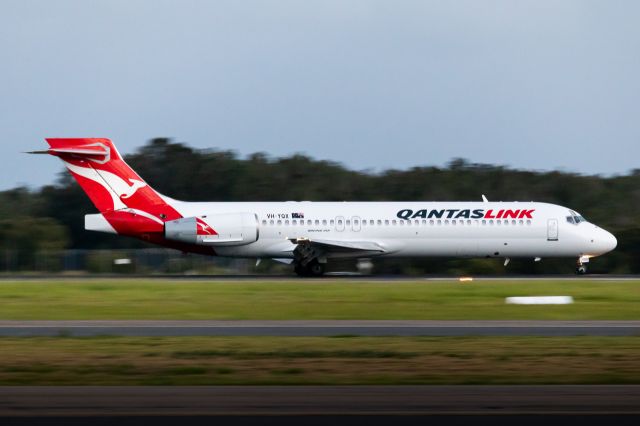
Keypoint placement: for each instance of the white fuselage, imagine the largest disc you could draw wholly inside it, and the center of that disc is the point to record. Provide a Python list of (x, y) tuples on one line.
[(406, 229)]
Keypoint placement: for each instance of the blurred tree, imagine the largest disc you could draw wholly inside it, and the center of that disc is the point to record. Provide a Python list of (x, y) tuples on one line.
[(26, 238)]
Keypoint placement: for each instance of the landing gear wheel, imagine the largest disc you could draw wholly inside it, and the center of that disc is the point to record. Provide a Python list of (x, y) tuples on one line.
[(316, 269), (311, 269), (581, 270)]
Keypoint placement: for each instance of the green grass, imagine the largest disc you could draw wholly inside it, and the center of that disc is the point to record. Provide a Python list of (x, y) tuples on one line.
[(312, 299), (319, 360)]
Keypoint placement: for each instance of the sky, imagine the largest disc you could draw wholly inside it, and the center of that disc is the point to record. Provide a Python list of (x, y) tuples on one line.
[(374, 85)]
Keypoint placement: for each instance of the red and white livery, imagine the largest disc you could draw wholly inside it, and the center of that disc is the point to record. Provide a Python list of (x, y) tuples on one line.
[(310, 234)]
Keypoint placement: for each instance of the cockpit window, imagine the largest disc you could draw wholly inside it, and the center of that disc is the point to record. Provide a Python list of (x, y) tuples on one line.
[(575, 218)]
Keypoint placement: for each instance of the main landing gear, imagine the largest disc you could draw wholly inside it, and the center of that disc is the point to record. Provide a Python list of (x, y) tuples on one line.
[(309, 259), (311, 269)]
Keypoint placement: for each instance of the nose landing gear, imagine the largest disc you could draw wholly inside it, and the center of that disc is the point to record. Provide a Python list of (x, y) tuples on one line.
[(583, 262)]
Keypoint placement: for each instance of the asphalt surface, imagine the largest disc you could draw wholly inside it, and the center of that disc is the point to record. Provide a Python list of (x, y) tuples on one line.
[(317, 400), (339, 276), (333, 420), (318, 328)]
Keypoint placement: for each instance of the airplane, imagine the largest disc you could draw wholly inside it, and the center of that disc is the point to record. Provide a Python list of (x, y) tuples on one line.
[(311, 234)]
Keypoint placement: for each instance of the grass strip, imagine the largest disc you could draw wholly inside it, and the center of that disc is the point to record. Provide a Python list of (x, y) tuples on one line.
[(319, 360), (313, 299)]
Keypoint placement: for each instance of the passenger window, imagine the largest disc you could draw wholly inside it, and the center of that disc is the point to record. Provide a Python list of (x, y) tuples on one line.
[(286, 222), (279, 222), (371, 222), (317, 222), (491, 222), (309, 222), (339, 222), (446, 222), (355, 221), (393, 222), (528, 222), (401, 222), (431, 222), (521, 222), (484, 222), (331, 222), (324, 222), (386, 222), (271, 222), (348, 222), (379, 222), (469, 222), (264, 222), (439, 222), (294, 222)]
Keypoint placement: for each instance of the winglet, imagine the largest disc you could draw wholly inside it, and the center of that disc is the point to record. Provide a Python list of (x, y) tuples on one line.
[(484, 199)]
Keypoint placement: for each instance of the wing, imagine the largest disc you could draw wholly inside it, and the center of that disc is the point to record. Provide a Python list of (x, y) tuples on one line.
[(311, 248), (335, 245)]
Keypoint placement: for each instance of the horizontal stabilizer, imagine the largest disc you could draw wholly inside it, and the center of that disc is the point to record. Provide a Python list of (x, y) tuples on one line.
[(97, 152)]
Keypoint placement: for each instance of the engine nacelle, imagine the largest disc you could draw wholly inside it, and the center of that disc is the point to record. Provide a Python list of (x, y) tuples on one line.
[(227, 229)]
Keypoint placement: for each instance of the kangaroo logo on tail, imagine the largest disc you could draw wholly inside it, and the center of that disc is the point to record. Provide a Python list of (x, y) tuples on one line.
[(137, 184)]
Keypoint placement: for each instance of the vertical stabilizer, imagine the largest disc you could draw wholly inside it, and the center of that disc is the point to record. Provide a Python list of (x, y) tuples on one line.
[(124, 199)]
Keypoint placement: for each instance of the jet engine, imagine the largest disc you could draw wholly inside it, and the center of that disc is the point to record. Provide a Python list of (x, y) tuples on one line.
[(226, 229)]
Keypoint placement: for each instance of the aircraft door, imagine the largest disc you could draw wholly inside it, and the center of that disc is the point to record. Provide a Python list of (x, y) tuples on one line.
[(340, 223), (552, 230), (355, 224)]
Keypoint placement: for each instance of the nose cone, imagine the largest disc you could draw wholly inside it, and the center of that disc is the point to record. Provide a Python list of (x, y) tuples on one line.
[(603, 241), (610, 241)]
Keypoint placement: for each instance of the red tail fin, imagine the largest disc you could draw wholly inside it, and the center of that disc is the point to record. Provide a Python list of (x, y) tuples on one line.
[(111, 184)]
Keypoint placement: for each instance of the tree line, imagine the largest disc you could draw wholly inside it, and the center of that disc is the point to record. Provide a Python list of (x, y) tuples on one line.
[(52, 217)]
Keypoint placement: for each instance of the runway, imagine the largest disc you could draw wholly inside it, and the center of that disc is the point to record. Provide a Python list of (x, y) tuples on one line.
[(318, 328), (332, 276), (317, 400)]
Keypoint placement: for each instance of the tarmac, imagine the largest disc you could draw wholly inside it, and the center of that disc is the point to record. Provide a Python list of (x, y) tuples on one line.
[(332, 276), (317, 328), (318, 400)]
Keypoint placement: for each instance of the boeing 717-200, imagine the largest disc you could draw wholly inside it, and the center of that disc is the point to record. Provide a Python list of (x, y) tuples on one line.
[(310, 234)]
